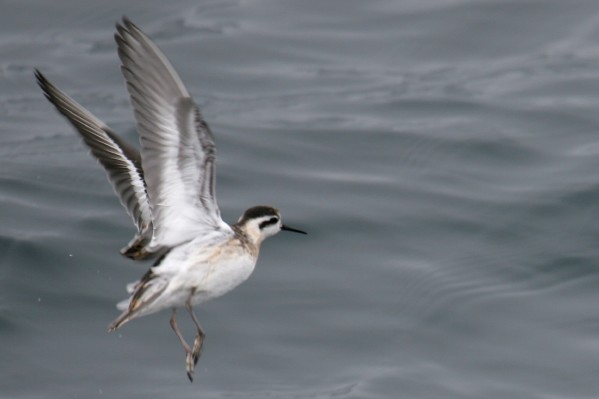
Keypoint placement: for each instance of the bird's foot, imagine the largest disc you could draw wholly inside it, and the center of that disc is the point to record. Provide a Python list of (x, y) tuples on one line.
[(190, 363), (197, 348)]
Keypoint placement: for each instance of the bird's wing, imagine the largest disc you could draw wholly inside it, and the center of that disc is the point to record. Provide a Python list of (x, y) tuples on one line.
[(121, 161), (177, 147)]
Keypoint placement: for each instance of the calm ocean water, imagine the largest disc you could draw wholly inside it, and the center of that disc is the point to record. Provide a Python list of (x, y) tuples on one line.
[(443, 156)]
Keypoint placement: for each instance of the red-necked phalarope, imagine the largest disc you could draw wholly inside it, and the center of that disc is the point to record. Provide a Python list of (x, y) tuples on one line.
[(168, 190)]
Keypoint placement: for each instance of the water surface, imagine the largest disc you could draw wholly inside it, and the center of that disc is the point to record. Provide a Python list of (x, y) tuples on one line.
[(443, 155)]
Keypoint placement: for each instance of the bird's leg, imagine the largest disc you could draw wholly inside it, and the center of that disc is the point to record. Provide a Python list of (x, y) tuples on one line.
[(199, 339), (189, 357), (175, 328)]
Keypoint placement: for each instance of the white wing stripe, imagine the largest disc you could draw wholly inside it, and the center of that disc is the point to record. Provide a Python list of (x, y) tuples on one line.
[(177, 147), (125, 176)]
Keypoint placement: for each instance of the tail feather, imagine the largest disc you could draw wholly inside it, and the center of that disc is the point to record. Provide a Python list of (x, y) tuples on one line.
[(145, 292), (119, 321)]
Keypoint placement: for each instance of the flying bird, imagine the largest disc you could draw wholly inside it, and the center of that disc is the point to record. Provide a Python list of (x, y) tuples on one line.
[(168, 188)]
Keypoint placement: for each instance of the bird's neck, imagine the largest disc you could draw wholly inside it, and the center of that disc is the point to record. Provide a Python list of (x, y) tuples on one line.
[(248, 238)]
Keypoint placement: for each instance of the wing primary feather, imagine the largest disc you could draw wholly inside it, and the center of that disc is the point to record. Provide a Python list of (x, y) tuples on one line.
[(177, 147), (121, 161)]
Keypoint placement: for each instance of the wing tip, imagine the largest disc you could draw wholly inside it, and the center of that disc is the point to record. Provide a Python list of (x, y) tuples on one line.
[(122, 29), (42, 81), (38, 74), (49, 90), (124, 23), (126, 27)]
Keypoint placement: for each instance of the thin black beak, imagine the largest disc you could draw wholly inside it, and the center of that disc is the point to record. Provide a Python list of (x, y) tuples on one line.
[(287, 228)]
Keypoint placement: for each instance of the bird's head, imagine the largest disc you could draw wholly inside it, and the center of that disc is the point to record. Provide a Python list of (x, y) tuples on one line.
[(260, 222)]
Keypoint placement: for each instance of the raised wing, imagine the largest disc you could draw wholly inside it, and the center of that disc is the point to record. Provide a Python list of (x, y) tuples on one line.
[(177, 147), (121, 161)]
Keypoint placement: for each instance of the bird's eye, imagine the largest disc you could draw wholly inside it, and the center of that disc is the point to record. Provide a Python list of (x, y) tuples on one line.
[(269, 222)]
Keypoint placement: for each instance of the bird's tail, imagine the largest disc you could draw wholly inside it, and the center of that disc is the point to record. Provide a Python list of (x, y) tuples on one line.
[(145, 292), (119, 321)]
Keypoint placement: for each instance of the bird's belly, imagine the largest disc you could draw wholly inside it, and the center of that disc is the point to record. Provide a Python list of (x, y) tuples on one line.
[(223, 278)]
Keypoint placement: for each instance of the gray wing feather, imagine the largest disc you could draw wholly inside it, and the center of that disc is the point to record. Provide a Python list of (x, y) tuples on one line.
[(177, 147), (121, 161)]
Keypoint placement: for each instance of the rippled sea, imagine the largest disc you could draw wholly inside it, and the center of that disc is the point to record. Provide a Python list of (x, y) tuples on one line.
[(442, 154)]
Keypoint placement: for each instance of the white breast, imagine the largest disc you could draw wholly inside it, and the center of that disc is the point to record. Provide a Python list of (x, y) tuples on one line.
[(208, 271), (224, 276)]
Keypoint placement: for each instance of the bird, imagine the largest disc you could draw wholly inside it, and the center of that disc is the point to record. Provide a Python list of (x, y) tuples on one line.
[(168, 189)]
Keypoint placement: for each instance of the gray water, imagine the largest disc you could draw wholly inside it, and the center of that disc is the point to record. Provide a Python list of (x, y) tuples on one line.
[(443, 156)]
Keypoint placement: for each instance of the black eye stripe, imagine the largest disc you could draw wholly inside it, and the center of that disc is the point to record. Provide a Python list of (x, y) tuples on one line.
[(268, 222)]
